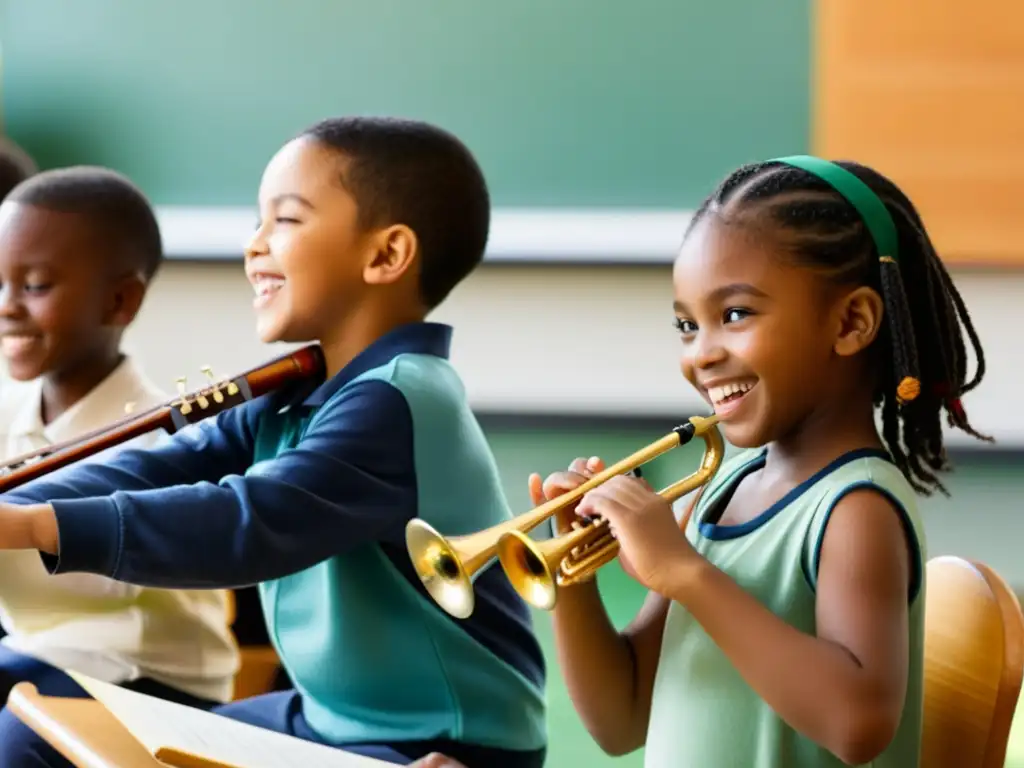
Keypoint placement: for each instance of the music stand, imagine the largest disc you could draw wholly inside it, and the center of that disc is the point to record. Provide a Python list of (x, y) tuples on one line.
[(82, 730)]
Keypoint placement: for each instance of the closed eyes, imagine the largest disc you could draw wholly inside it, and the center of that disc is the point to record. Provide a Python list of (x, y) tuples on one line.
[(279, 220)]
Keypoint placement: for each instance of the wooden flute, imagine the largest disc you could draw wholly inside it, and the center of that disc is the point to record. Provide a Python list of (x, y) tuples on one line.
[(171, 416)]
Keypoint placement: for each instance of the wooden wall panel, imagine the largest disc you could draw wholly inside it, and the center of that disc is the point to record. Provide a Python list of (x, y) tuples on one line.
[(931, 93)]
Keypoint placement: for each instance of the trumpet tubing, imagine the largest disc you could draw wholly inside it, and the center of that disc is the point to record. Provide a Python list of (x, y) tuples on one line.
[(449, 566), (537, 569)]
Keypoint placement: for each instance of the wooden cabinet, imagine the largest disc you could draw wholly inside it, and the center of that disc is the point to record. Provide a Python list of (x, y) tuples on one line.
[(931, 93)]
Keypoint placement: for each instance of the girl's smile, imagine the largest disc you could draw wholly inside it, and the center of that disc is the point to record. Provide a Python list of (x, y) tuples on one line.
[(726, 396)]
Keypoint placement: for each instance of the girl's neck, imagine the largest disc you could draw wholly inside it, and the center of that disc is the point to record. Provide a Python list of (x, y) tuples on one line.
[(62, 390), (823, 436)]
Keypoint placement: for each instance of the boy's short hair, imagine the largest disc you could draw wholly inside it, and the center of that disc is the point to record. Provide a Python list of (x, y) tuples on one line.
[(15, 166), (413, 173), (118, 209)]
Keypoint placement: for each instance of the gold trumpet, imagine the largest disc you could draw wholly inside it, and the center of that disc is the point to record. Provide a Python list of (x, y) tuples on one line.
[(448, 567)]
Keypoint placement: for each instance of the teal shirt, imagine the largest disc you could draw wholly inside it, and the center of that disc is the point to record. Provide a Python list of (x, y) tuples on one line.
[(307, 492), (703, 712), (374, 658)]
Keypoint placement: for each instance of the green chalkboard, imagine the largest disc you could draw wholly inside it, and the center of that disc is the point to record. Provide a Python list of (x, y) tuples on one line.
[(566, 102)]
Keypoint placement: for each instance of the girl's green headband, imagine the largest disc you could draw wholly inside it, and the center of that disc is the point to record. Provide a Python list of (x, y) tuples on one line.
[(870, 207), (879, 222)]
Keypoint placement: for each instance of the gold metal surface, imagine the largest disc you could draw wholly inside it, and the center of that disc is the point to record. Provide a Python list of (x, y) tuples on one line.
[(537, 569), (448, 566)]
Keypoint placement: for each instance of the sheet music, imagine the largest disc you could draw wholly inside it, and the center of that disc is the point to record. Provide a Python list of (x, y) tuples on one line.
[(157, 723)]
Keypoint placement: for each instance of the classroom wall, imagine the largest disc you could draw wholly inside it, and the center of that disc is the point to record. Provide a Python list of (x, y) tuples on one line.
[(599, 126)]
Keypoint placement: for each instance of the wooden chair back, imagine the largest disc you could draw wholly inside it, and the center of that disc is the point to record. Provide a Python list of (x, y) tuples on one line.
[(973, 665)]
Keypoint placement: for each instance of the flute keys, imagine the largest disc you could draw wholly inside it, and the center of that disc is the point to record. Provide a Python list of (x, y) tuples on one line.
[(183, 404), (215, 392), (229, 387)]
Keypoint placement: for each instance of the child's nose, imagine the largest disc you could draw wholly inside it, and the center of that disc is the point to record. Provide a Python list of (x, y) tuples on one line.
[(707, 351), (10, 303), (257, 245)]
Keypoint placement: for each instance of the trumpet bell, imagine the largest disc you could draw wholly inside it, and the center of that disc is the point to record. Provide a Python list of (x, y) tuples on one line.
[(448, 566), (536, 569), (440, 567), (532, 574)]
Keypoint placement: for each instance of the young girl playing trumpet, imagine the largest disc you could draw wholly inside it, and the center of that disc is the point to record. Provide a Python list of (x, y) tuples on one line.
[(784, 624)]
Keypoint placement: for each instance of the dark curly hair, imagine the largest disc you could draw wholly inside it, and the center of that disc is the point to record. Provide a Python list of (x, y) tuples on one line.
[(414, 173), (110, 202)]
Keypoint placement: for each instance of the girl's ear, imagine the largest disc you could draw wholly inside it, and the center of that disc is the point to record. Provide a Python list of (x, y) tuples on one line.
[(861, 312)]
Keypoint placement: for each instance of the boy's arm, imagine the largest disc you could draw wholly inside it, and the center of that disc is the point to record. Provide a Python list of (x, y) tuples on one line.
[(350, 480)]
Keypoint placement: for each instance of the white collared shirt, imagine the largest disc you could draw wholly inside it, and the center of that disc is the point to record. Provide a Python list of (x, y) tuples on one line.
[(91, 624)]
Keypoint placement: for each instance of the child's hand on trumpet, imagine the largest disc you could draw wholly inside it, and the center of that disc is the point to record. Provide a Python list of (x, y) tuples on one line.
[(652, 547), (558, 483), (654, 544)]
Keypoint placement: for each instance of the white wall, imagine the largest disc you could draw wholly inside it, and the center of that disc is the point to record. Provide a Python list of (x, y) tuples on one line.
[(544, 338)]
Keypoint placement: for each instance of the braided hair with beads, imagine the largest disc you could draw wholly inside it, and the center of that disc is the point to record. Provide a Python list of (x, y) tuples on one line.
[(855, 226)]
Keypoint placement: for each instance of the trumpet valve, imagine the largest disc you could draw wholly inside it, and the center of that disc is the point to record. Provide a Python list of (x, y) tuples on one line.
[(582, 562)]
